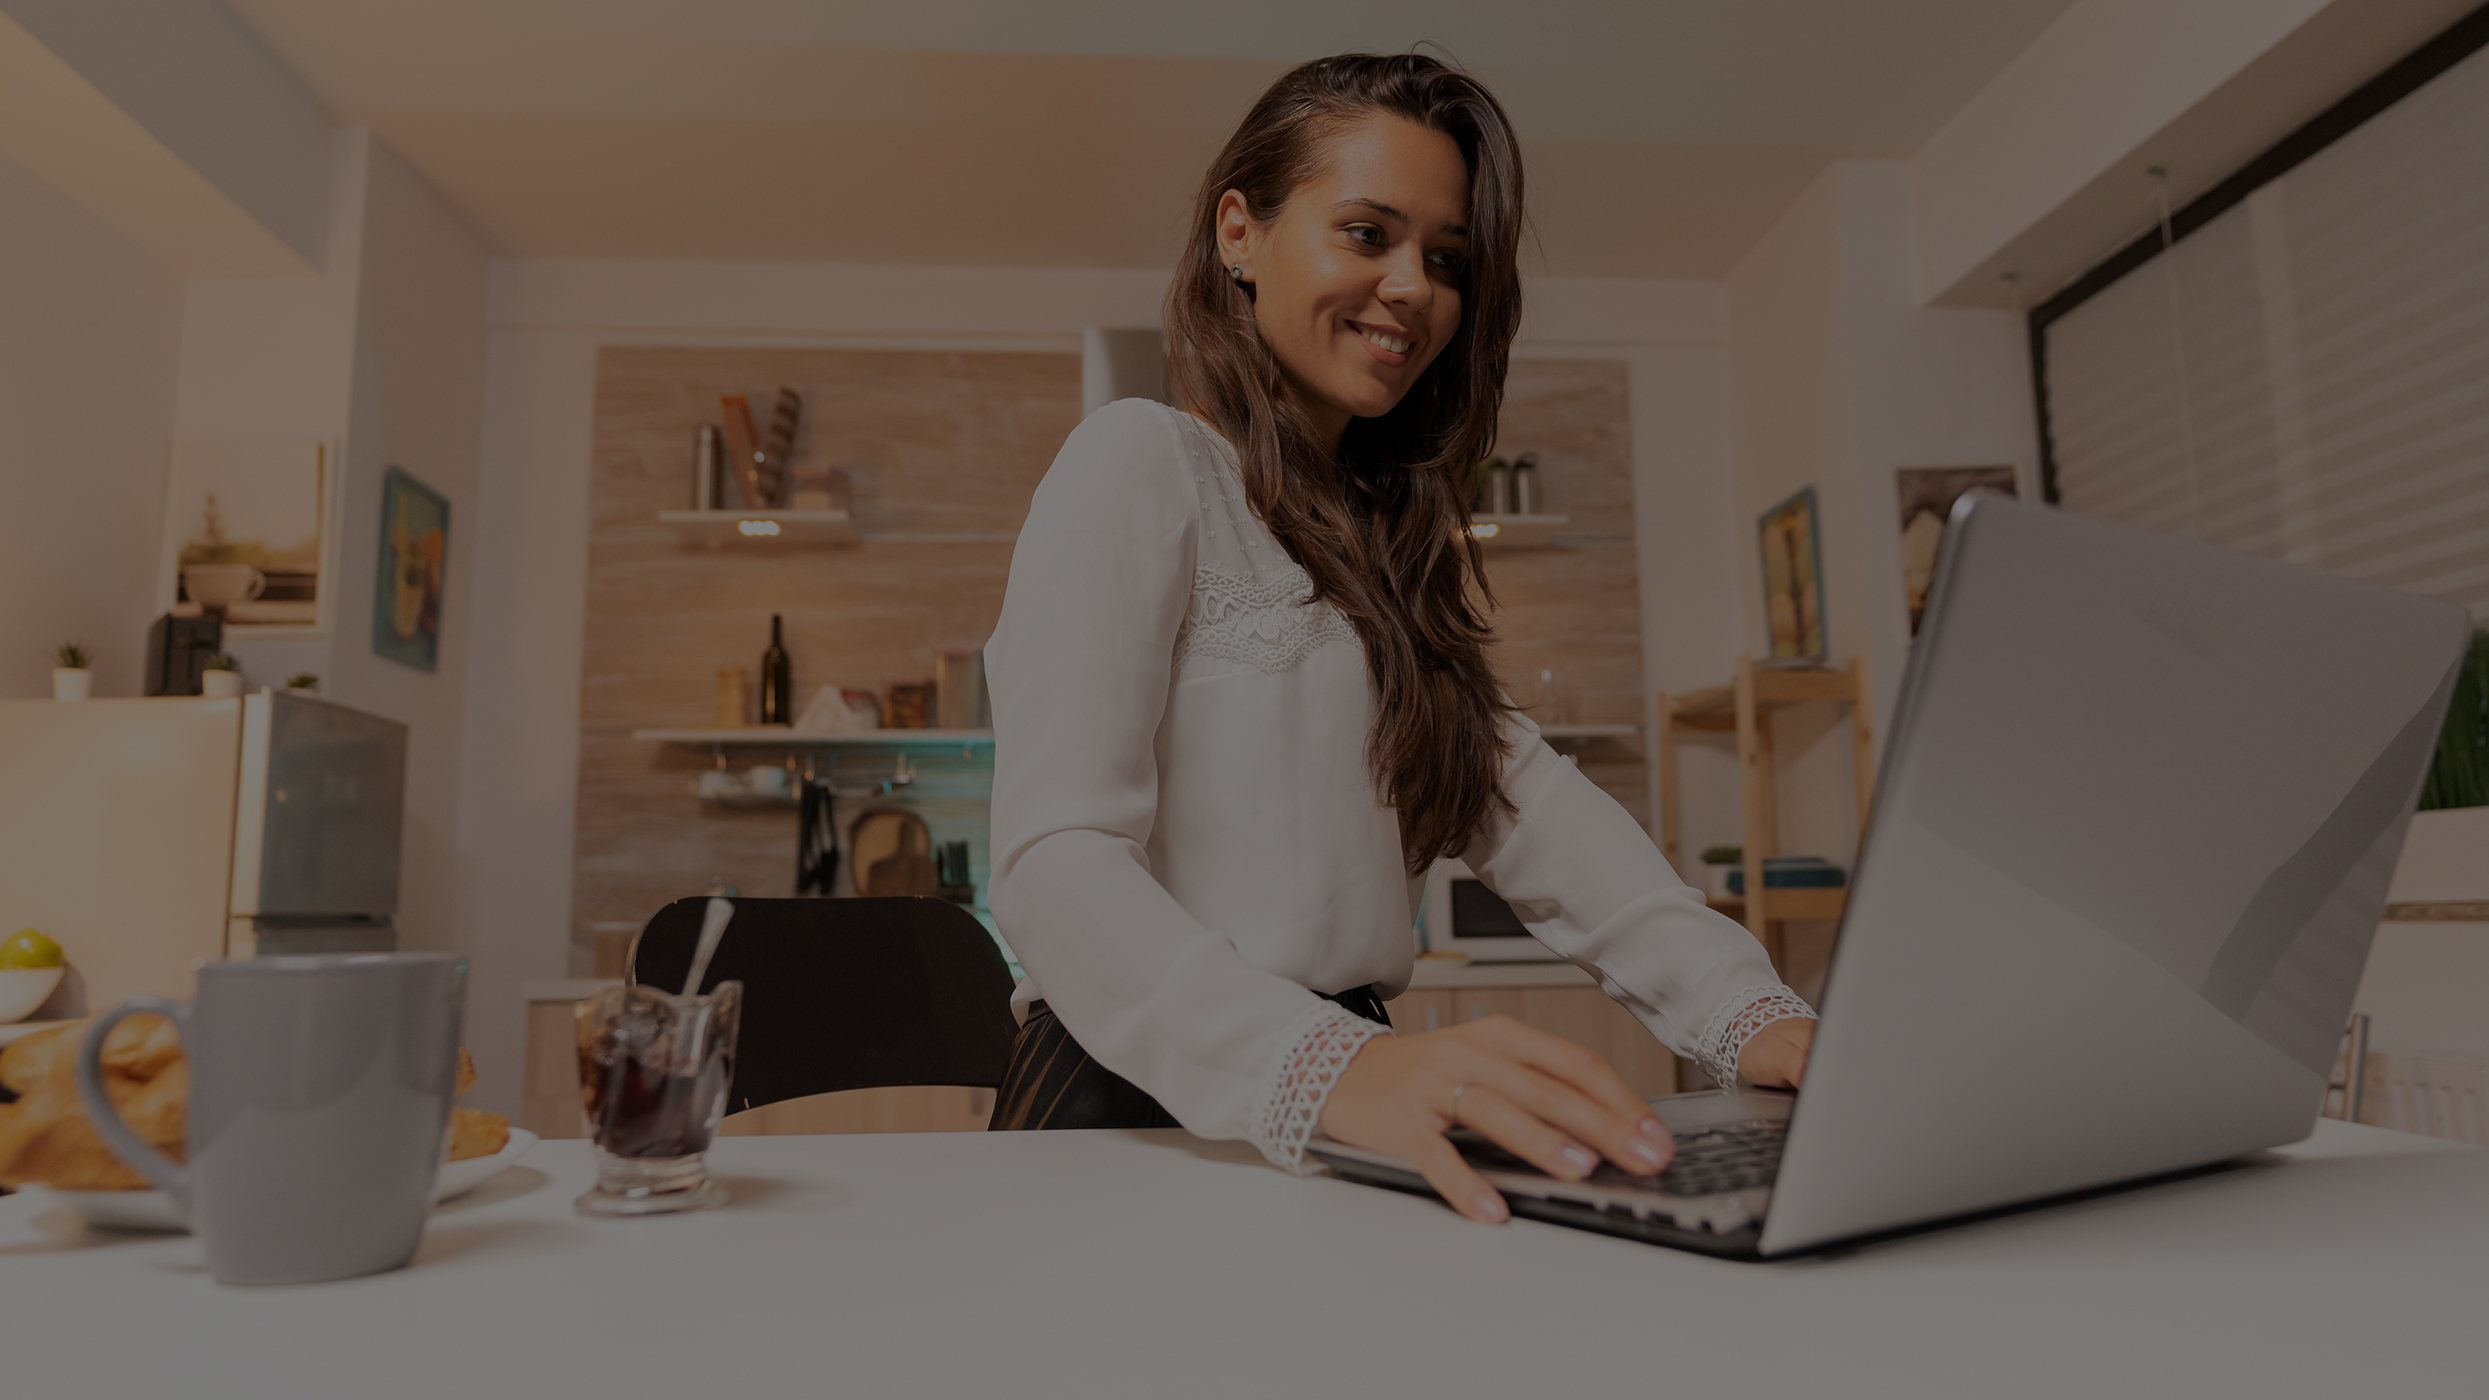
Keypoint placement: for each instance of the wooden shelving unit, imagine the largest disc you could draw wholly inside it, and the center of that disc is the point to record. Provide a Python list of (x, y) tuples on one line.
[(1559, 732), (1744, 707), (974, 746)]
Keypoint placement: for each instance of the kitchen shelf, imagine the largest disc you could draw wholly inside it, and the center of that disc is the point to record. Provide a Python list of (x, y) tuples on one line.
[(774, 737), (1589, 731), (1714, 708), (786, 800), (1517, 531), (760, 528)]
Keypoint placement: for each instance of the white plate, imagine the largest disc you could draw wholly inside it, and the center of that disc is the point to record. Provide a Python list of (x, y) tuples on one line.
[(153, 1210), (458, 1178)]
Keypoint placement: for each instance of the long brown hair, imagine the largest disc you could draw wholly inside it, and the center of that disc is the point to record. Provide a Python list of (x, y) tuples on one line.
[(1380, 525)]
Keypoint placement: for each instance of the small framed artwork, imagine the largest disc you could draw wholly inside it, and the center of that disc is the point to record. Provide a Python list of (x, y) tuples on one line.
[(1927, 495), (1793, 579), (247, 533), (414, 560)]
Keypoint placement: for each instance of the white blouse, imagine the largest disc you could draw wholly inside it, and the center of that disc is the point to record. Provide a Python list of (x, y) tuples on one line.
[(1186, 838)]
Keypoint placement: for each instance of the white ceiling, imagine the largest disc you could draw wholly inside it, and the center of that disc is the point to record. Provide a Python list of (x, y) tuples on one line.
[(1662, 136)]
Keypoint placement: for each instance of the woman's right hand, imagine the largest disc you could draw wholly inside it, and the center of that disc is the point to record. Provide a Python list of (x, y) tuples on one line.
[(1546, 1100)]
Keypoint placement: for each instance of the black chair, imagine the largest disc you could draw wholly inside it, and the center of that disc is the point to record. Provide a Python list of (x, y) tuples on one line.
[(845, 993)]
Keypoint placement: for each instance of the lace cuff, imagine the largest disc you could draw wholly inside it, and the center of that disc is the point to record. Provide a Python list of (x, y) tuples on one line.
[(1319, 1046), (1736, 1022)]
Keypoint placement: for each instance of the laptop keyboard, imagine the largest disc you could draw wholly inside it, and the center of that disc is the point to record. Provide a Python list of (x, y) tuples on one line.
[(1734, 1158), (1709, 1161)]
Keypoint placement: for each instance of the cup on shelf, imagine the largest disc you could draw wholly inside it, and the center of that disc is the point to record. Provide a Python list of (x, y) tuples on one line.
[(217, 587), (767, 780)]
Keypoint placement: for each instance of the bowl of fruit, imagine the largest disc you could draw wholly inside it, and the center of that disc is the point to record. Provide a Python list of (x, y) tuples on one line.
[(30, 967)]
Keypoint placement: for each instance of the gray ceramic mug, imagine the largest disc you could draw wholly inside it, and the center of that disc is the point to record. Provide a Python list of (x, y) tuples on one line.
[(319, 1094)]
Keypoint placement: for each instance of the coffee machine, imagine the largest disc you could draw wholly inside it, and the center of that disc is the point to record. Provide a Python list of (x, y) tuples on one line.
[(178, 650)]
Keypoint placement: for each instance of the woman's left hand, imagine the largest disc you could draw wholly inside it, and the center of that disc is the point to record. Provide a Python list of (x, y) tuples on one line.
[(1776, 1055)]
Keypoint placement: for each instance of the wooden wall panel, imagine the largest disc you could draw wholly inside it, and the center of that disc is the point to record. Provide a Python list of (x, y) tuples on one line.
[(952, 443), (933, 443), (1576, 609)]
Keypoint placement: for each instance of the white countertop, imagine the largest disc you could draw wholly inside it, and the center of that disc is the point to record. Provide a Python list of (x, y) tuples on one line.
[(1150, 1264)]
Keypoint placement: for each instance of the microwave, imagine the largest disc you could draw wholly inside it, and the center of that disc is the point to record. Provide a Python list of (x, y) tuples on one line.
[(1462, 915)]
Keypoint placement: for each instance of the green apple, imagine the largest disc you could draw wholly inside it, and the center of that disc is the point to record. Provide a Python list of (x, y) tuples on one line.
[(29, 948)]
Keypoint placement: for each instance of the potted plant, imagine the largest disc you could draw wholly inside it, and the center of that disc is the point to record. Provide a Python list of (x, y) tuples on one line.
[(1718, 861), (222, 680), (71, 680), (302, 683), (2459, 776)]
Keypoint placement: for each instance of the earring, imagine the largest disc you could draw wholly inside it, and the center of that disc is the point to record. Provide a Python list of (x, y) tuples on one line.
[(1235, 273)]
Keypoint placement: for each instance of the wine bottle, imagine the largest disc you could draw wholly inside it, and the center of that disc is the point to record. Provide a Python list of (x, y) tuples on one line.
[(777, 678)]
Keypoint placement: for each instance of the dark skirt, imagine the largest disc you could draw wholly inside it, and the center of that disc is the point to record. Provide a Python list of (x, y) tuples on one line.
[(1052, 1082)]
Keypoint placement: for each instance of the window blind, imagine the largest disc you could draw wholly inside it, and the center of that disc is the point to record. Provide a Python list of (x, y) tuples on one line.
[(2306, 376)]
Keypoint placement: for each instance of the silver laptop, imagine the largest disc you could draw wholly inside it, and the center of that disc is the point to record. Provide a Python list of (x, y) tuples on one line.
[(2139, 806)]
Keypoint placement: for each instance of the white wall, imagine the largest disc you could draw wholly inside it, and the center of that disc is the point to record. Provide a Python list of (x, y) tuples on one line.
[(519, 772), (90, 336), (275, 356), (417, 404), (382, 352), (199, 83), (2043, 173), (1838, 377), (1686, 524), (2096, 85)]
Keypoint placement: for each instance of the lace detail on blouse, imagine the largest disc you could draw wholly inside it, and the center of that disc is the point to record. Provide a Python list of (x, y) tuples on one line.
[(1268, 626), (1317, 1049), (1735, 1023)]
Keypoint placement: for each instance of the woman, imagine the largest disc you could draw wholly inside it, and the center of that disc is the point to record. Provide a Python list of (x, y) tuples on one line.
[(1242, 700)]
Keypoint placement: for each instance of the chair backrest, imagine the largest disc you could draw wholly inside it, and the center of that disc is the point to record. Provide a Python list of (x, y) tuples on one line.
[(845, 993)]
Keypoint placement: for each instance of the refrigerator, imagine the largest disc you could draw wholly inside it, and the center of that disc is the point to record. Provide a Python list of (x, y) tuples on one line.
[(150, 836)]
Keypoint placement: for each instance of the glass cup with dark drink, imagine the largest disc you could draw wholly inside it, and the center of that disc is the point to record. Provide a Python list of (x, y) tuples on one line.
[(653, 1073)]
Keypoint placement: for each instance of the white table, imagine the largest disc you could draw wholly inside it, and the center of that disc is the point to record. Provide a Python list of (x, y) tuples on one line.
[(1149, 1264)]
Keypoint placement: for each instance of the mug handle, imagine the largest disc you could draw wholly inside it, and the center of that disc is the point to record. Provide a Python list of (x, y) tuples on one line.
[(259, 585), (126, 1145)]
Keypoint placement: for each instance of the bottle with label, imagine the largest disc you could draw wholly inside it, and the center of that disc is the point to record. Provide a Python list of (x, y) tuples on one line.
[(777, 678)]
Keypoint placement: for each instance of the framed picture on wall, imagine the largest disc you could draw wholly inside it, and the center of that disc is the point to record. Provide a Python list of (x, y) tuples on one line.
[(1927, 495), (247, 532), (414, 559), (1793, 579)]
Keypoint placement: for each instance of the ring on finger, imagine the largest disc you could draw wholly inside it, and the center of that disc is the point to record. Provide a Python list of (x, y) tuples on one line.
[(1457, 1091)]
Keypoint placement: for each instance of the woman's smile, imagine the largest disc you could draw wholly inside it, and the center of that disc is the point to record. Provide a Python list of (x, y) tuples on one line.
[(1389, 345)]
